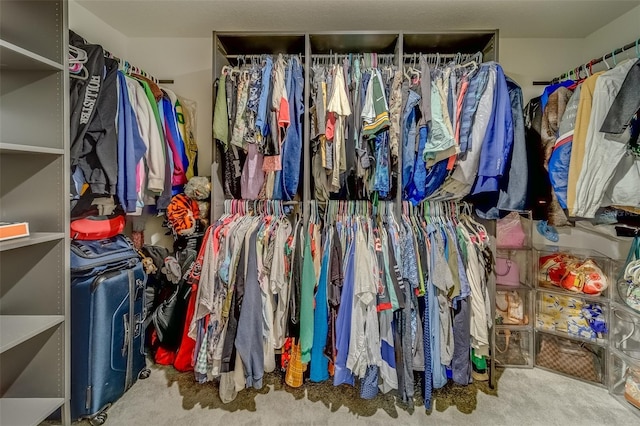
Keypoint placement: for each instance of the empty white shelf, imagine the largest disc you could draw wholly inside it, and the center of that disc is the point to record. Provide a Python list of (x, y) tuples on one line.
[(33, 239), (15, 329), (16, 58), (27, 411), (12, 148)]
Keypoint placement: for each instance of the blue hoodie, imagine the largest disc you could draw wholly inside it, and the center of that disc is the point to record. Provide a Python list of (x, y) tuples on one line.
[(131, 148)]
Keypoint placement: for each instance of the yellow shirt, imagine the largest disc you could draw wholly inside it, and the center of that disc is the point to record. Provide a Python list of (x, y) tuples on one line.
[(579, 138)]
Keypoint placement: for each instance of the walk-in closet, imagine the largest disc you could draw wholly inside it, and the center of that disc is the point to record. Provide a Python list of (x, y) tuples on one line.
[(304, 212)]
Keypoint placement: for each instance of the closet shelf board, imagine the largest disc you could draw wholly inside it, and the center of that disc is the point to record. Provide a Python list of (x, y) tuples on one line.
[(513, 287), (12, 148), (447, 43), (526, 327), (261, 43), (598, 342), (13, 57), (27, 411), (15, 329), (509, 249), (603, 299), (33, 239), (353, 42)]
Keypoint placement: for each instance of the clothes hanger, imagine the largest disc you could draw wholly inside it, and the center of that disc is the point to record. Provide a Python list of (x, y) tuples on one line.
[(82, 75), (77, 54), (605, 62)]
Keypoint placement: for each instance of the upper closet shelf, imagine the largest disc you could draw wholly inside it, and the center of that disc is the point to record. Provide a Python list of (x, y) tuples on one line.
[(260, 43), (13, 57)]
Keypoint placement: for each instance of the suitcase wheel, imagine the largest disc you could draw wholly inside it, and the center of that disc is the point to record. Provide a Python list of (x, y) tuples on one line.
[(98, 419), (145, 373)]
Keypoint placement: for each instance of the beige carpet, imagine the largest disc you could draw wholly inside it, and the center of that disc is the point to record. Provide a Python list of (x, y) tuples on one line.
[(522, 397)]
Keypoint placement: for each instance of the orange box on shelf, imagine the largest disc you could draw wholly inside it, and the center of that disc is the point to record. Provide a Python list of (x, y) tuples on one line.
[(9, 230)]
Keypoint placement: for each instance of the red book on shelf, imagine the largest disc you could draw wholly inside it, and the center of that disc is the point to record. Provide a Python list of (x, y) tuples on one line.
[(9, 230)]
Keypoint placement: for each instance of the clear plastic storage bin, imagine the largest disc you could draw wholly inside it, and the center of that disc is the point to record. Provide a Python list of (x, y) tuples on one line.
[(573, 358), (625, 332), (513, 307), (514, 230), (585, 273), (572, 316), (513, 348), (624, 381), (513, 268)]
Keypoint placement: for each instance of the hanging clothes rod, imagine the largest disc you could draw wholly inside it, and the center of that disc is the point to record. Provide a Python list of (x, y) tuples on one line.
[(435, 55), (261, 56), (592, 62), (131, 69), (346, 55), (457, 57)]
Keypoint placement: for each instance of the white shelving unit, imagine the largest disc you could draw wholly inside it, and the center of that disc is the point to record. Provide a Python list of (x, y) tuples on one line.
[(624, 350), (27, 411), (34, 187), (556, 305), (514, 342)]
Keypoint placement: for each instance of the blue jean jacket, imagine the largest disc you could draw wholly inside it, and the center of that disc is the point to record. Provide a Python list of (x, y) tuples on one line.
[(409, 134), (498, 140)]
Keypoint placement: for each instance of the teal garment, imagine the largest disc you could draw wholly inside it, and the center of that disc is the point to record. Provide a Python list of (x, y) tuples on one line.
[(306, 302), (387, 272), (319, 362), (439, 137)]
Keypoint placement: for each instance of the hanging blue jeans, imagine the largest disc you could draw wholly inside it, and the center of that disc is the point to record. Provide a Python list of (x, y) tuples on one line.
[(416, 190), (409, 138), (381, 180), (292, 146), (261, 118)]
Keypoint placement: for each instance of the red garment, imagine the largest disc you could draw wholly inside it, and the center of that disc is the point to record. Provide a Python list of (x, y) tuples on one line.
[(184, 355), (161, 355)]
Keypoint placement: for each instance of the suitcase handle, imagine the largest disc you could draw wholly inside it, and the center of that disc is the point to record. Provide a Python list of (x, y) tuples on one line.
[(125, 343)]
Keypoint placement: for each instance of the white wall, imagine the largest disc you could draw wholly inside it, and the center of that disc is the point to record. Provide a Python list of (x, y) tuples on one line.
[(615, 34), (96, 31), (529, 59), (187, 61)]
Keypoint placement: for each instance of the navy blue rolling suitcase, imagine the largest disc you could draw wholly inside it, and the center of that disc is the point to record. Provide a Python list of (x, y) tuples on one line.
[(107, 324)]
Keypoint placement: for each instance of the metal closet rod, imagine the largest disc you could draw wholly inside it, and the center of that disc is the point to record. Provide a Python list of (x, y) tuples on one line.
[(130, 68), (592, 63), (435, 55), (315, 55), (346, 55), (261, 56)]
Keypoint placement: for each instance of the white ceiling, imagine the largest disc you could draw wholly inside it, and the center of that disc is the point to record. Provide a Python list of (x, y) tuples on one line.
[(514, 18)]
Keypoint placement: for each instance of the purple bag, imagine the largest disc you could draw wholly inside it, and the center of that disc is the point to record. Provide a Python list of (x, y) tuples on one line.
[(507, 272)]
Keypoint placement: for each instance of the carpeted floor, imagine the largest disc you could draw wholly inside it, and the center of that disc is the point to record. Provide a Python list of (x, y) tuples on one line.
[(522, 397)]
